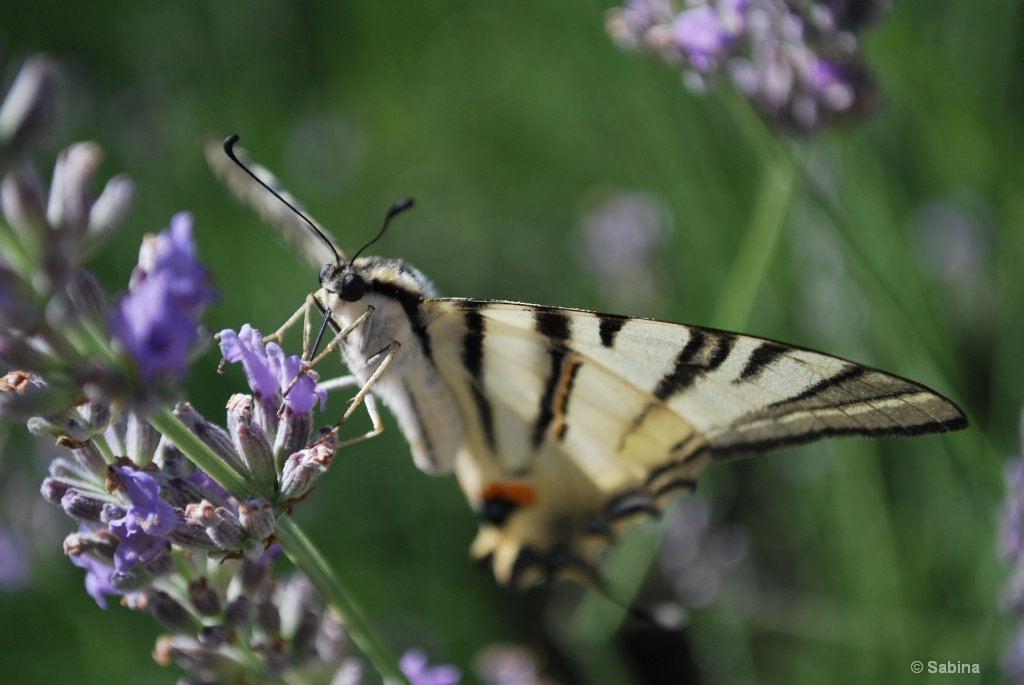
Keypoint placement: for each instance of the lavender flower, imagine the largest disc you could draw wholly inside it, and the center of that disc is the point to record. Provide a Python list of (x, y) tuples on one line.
[(798, 63), (618, 241), (269, 372), (1011, 549), (156, 322), (414, 665), (697, 557)]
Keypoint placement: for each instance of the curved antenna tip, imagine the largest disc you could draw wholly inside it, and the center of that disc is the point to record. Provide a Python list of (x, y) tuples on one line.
[(229, 142)]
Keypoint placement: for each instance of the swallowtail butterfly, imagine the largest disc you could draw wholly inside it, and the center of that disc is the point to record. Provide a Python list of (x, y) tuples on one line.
[(563, 425)]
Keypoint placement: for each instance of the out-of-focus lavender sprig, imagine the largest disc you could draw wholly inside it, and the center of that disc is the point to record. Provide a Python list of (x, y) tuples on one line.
[(1011, 550), (799, 62), (697, 558)]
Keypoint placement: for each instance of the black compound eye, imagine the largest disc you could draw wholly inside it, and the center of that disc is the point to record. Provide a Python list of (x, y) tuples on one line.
[(353, 287)]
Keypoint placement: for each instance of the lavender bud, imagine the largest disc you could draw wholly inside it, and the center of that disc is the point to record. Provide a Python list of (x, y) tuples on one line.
[(239, 411), (21, 198), (305, 634), (161, 564), (268, 618), (24, 395), (190, 536), (110, 210), (60, 425), (190, 655), (253, 549), (101, 543), (331, 642), (112, 512), (171, 614), (82, 507), (25, 113), (213, 637), (170, 459), (238, 612), (53, 490), (71, 472), (257, 516), (87, 298), (221, 525), (214, 437), (276, 658), (204, 598), (131, 580), (70, 195), (140, 440), (251, 576), (292, 434), (302, 469), (254, 446), (96, 416), (89, 457), (18, 351)]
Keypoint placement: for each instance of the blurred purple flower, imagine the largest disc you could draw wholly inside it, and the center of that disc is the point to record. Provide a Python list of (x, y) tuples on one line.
[(269, 371), (798, 63), (1011, 549), (620, 237), (157, 321), (697, 556), (14, 562), (707, 33), (414, 666)]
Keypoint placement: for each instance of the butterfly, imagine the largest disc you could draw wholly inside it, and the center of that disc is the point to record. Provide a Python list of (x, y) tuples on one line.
[(562, 425)]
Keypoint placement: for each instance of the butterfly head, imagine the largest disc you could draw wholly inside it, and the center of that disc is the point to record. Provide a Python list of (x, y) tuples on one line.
[(343, 281)]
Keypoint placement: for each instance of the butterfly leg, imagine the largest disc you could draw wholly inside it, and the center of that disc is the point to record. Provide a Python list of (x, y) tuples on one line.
[(331, 346), (363, 397)]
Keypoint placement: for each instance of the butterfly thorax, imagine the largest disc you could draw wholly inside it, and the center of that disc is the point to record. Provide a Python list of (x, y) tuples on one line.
[(412, 387)]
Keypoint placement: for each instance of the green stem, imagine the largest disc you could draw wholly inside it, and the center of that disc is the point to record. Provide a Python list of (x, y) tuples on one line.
[(758, 247), (305, 556), (296, 545), (202, 456)]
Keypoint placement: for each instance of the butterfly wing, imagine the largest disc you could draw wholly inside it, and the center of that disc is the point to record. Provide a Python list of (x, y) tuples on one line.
[(578, 422)]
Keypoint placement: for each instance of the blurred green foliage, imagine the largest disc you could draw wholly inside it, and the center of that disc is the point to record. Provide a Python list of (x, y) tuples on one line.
[(502, 119)]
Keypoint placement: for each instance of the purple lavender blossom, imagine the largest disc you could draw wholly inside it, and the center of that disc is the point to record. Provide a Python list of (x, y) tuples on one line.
[(798, 63), (156, 323), (414, 666), (14, 561), (144, 525), (97, 574), (706, 33), (1011, 549), (269, 371)]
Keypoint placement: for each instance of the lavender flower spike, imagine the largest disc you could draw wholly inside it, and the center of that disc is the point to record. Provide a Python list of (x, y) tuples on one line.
[(156, 323)]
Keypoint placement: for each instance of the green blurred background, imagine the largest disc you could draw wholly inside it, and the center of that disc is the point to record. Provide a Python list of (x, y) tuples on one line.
[(510, 123)]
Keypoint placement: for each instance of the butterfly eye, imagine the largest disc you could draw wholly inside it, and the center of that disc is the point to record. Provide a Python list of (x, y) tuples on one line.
[(353, 287)]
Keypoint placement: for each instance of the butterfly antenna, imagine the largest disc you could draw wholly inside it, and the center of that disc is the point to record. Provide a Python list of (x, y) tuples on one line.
[(229, 150), (396, 209)]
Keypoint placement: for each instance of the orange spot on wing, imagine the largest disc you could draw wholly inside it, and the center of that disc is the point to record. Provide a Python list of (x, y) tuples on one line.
[(518, 493)]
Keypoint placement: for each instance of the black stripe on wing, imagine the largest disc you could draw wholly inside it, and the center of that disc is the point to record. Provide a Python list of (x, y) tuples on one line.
[(473, 359), (704, 351)]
